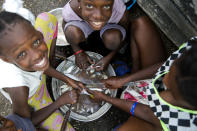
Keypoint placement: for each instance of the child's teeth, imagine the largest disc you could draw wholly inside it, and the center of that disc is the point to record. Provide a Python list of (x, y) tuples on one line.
[(97, 23), (41, 62)]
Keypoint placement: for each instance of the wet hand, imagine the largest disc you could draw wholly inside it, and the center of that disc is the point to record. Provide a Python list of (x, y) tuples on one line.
[(69, 97), (83, 61), (96, 95), (75, 84), (101, 64), (113, 82)]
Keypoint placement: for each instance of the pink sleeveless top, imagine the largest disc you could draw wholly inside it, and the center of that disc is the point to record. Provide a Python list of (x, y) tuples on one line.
[(117, 12)]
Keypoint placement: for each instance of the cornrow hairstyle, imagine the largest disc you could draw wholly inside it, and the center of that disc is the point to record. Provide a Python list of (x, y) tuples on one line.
[(187, 74), (7, 21)]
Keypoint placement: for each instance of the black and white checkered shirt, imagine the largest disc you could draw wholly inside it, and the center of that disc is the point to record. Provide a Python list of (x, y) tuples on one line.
[(174, 118)]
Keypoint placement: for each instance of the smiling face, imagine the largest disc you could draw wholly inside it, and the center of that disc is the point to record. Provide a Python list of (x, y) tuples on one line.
[(23, 46), (96, 12)]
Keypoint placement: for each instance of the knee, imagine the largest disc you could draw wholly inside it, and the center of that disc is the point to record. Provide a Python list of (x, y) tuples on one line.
[(74, 34), (112, 38), (141, 22)]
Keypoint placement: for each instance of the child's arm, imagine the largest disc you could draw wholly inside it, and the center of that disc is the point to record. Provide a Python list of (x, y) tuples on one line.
[(141, 111), (118, 82), (104, 62), (69, 36), (56, 74), (19, 96), (42, 114), (75, 37)]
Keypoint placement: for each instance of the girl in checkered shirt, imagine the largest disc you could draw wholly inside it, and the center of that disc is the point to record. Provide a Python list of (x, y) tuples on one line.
[(171, 96)]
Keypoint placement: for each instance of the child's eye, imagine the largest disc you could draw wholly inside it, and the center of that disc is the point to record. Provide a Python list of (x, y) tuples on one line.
[(36, 43), (89, 6), (21, 55), (107, 7)]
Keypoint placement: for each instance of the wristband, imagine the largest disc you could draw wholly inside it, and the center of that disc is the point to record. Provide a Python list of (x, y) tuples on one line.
[(79, 51), (133, 108)]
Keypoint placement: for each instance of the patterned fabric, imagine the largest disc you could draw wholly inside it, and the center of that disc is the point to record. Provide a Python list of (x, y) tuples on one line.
[(136, 91), (47, 25), (147, 92), (172, 118)]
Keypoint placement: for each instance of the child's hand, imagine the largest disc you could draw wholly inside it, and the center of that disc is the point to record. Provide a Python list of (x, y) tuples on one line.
[(69, 97), (97, 95), (113, 82), (75, 84), (101, 64), (82, 60)]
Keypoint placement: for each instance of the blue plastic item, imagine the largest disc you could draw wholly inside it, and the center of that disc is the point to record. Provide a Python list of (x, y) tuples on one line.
[(122, 68), (130, 3)]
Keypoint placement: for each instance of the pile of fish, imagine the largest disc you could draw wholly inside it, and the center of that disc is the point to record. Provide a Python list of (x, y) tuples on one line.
[(92, 79)]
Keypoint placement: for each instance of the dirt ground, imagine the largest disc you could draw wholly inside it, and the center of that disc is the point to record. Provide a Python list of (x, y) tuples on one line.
[(114, 116)]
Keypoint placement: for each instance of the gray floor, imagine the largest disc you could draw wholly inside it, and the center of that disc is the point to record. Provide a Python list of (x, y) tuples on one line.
[(38, 6)]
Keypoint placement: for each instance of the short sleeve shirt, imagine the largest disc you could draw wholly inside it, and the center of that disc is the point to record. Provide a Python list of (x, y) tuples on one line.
[(12, 76)]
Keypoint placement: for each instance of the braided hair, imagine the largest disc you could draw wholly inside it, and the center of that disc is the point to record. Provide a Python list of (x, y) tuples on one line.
[(7, 21), (186, 77)]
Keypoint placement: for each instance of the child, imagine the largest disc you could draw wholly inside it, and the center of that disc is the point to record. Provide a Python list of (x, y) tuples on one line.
[(171, 96), (23, 65), (82, 17)]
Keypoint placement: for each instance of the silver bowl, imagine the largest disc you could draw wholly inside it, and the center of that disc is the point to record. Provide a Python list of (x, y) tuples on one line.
[(61, 40), (57, 83)]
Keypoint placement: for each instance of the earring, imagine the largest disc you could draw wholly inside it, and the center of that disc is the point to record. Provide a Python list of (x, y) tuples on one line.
[(79, 7)]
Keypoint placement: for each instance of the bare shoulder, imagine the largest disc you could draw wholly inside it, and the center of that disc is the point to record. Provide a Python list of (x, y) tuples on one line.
[(124, 21)]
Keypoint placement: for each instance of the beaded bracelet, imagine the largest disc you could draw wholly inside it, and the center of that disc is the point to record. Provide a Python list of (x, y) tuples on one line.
[(133, 108), (79, 51)]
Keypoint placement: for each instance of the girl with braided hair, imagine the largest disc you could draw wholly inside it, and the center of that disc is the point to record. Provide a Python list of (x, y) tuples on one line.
[(24, 61)]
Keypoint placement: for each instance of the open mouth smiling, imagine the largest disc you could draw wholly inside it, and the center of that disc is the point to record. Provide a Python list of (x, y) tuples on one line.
[(42, 63), (97, 25)]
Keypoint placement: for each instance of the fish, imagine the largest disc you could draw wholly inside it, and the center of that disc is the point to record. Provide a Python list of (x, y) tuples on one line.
[(91, 80)]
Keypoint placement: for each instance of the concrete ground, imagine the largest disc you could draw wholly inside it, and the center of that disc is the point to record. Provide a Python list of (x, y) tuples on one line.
[(38, 6)]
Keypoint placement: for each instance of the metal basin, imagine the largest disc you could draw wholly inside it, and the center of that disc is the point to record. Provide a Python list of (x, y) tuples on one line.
[(61, 40), (57, 83)]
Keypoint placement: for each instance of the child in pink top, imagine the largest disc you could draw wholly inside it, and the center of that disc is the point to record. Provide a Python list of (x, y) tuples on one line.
[(110, 17)]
